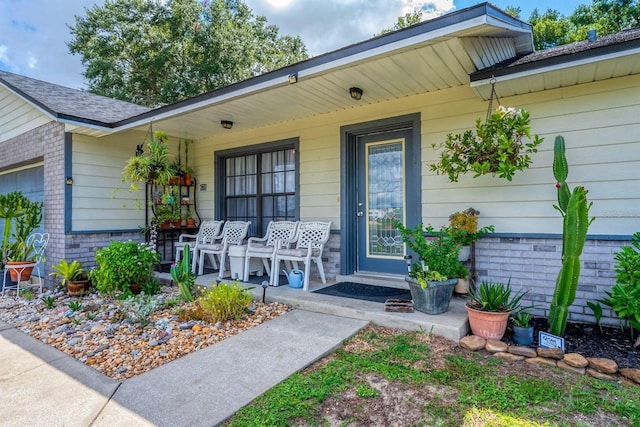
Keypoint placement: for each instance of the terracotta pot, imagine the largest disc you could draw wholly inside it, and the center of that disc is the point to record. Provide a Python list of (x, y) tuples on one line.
[(25, 274), (187, 179), (462, 287), (136, 288), (191, 223), (76, 288), (488, 324)]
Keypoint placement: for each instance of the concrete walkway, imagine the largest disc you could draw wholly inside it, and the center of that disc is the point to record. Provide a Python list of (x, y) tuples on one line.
[(41, 386)]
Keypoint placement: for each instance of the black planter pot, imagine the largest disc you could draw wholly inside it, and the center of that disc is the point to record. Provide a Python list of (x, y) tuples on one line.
[(434, 299)]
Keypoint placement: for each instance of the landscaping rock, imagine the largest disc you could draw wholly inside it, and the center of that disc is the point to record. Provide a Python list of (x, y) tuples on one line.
[(494, 346), (509, 357), (473, 342), (606, 366), (99, 337), (597, 374), (566, 367), (576, 360), (541, 361), (631, 373), (550, 353), (522, 351)]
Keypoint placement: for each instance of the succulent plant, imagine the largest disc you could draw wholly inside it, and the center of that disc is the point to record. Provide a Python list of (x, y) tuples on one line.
[(574, 208)]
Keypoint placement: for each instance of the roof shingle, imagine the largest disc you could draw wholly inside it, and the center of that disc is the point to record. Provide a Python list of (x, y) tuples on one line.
[(70, 103)]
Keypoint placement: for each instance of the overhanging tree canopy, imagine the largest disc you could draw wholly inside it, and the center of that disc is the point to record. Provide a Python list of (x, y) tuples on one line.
[(150, 53)]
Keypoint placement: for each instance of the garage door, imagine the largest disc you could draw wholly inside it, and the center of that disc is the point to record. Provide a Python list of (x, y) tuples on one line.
[(28, 181)]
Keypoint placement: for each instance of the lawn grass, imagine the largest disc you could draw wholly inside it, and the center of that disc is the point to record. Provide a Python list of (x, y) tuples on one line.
[(464, 388)]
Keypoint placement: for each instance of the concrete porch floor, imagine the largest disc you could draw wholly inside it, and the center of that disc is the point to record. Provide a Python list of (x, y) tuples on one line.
[(454, 324)]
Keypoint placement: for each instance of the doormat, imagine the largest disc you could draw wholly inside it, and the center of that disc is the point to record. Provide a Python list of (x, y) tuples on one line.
[(364, 292)]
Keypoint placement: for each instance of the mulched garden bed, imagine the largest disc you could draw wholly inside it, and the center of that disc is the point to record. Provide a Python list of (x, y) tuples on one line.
[(589, 340)]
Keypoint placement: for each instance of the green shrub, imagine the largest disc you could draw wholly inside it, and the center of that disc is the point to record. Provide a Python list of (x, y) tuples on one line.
[(151, 287), (624, 297), (123, 263), (225, 302)]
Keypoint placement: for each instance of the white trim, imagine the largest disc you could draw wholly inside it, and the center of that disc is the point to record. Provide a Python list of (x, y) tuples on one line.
[(557, 67), (21, 168)]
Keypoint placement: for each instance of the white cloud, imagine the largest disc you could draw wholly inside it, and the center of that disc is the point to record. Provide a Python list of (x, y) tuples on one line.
[(430, 9)]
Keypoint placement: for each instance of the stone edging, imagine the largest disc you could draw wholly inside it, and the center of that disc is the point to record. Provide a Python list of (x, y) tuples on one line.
[(605, 369)]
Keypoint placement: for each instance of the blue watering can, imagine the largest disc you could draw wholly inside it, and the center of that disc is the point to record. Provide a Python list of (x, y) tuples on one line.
[(295, 277)]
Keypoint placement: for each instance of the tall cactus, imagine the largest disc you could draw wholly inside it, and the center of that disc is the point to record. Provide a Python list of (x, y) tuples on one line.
[(574, 208)]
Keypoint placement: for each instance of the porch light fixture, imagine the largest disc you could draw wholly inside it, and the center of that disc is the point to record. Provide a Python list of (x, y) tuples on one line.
[(227, 124), (293, 78), (355, 93)]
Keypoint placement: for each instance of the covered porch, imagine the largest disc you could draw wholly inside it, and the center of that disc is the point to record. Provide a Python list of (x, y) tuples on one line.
[(453, 324)]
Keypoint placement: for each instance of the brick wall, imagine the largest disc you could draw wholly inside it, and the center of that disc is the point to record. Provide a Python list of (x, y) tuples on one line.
[(534, 264), (46, 144)]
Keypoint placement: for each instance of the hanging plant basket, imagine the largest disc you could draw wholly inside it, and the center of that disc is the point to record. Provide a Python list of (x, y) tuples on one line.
[(499, 146)]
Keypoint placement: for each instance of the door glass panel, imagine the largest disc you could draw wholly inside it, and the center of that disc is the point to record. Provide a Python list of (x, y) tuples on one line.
[(385, 198)]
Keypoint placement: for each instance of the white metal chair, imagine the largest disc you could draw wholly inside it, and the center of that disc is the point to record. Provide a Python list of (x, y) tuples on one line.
[(209, 229), (233, 233), (265, 247), (310, 240), (39, 242)]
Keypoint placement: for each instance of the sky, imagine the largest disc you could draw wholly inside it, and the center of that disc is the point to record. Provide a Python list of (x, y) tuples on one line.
[(34, 33)]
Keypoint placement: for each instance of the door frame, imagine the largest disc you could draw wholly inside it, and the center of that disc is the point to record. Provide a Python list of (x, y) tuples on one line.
[(349, 175)]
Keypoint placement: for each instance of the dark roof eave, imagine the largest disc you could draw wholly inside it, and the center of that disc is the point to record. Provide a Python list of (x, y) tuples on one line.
[(443, 21), (506, 69), (83, 120), (55, 114)]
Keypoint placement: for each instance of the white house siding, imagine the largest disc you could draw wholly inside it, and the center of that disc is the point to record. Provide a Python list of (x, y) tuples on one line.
[(101, 201), (599, 122), (17, 116)]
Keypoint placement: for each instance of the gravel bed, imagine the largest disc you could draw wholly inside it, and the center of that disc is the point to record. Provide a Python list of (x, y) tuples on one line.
[(97, 336)]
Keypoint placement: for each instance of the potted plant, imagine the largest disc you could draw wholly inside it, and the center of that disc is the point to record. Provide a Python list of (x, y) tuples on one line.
[(72, 275), (490, 307), (21, 217), (21, 253), (432, 277), (462, 287), (522, 327), (497, 146), (123, 265), (463, 229), (189, 219), (155, 165)]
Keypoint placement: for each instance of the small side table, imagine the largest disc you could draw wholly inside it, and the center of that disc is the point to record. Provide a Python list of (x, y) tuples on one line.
[(19, 269)]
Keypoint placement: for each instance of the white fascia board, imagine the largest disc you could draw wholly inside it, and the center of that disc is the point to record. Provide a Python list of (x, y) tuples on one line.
[(442, 33), (557, 67)]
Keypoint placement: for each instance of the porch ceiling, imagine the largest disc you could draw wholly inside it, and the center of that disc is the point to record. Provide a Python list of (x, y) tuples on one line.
[(392, 71)]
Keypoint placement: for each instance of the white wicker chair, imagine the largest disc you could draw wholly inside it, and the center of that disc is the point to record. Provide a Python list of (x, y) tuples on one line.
[(265, 247), (206, 234), (309, 244), (233, 233)]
